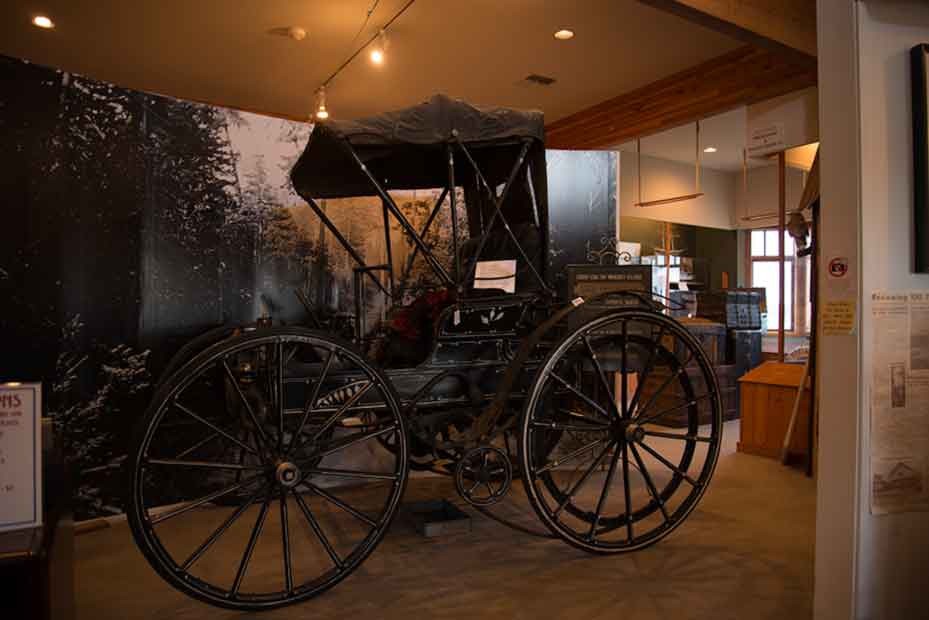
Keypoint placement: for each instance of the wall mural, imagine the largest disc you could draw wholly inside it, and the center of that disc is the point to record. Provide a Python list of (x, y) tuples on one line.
[(135, 222)]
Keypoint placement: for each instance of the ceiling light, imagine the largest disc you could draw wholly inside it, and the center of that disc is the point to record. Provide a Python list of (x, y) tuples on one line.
[(564, 34), (42, 21), (379, 51), (710, 149), (321, 112)]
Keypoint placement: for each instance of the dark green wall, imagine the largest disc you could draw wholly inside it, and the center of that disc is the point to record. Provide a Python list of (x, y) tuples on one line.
[(718, 249)]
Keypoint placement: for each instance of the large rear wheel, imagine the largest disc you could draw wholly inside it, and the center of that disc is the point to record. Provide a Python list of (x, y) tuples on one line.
[(621, 432), (255, 477)]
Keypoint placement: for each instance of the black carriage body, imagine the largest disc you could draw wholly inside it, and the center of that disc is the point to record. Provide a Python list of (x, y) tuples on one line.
[(497, 156)]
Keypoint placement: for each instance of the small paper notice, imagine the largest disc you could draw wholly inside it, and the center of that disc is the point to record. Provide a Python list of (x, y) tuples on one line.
[(839, 317), (499, 274)]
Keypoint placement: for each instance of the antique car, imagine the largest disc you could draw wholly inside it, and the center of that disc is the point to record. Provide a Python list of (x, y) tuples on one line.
[(273, 458)]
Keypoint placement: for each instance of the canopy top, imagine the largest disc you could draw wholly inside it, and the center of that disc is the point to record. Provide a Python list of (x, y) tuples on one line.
[(403, 149)]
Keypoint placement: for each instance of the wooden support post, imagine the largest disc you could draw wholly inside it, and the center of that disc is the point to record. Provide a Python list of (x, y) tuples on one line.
[(667, 259), (781, 225)]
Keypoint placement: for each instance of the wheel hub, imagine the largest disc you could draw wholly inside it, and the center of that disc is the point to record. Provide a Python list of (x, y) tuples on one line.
[(628, 431), (287, 475), (634, 432)]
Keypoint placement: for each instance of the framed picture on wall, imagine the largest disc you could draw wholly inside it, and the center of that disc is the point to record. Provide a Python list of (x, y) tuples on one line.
[(919, 56)]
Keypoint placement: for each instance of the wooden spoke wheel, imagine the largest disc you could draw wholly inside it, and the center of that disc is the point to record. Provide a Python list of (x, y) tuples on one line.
[(255, 477), (621, 432)]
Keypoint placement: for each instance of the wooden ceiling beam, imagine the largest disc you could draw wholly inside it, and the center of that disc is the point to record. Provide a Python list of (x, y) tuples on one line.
[(744, 76), (776, 25)]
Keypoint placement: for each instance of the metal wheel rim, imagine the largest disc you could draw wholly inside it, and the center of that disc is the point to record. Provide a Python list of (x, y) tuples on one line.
[(539, 503), (144, 530)]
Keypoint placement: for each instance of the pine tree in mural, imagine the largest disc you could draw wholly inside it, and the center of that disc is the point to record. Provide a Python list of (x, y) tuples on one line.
[(93, 400)]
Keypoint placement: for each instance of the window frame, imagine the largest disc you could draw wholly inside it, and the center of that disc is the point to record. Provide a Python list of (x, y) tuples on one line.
[(799, 326)]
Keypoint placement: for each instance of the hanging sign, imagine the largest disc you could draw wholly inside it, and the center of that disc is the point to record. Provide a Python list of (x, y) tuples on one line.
[(20, 456), (766, 140)]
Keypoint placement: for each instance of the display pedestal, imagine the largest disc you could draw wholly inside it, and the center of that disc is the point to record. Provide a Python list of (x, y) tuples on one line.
[(767, 395), (37, 563)]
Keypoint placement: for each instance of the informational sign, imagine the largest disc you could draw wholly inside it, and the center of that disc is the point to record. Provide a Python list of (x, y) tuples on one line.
[(900, 402), (496, 274), (839, 317), (766, 140), (20, 456)]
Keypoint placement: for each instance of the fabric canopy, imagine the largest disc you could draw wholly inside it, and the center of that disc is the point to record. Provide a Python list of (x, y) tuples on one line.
[(405, 149)]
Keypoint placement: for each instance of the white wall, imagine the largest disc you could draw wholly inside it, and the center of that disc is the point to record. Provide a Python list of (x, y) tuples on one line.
[(796, 113), (893, 550), (866, 567), (837, 358), (662, 179)]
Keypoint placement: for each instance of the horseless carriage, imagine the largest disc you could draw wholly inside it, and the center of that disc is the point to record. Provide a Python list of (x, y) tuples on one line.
[(273, 459)]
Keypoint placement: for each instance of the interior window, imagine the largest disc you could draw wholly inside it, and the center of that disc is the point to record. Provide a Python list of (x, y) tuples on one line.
[(765, 273)]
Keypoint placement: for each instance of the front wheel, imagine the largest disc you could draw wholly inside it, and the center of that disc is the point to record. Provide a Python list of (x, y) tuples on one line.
[(253, 478), (621, 432)]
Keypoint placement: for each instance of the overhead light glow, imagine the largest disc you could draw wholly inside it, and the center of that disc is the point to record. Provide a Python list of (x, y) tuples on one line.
[(321, 112), (379, 51), (42, 21), (710, 149), (564, 34)]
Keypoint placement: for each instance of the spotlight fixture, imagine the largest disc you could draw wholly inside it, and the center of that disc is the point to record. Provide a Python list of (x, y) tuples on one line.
[(379, 52), (710, 149), (42, 22), (321, 112), (564, 34)]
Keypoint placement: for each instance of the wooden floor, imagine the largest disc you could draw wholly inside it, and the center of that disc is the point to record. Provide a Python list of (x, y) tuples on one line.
[(745, 552)]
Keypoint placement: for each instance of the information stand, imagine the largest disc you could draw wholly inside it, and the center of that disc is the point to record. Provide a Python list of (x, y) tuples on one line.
[(20, 456)]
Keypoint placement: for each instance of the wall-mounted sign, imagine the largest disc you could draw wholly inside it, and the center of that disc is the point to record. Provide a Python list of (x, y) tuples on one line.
[(838, 267), (20, 456), (838, 317), (766, 140)]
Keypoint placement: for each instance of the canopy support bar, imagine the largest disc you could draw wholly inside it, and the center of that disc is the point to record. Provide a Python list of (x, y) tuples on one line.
[(454, 213), (498, 204), (404, 223), (345, 244), (435, 211), (388, 249)]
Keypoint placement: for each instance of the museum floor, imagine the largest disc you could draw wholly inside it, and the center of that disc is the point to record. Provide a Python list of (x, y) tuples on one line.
[(746, 552)]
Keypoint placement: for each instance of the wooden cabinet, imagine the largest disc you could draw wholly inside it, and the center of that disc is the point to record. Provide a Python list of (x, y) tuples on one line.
[(767, 400)]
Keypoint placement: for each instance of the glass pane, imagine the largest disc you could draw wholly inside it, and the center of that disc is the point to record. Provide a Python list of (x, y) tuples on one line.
[(770, 243), (765, 275), (757, 243), (789, 249)]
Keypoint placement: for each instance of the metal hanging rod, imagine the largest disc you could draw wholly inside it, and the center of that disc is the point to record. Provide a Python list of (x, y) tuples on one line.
[(672, 199)]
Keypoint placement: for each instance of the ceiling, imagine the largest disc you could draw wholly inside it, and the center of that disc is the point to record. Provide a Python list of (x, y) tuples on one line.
[(221, 51), (724, 132)]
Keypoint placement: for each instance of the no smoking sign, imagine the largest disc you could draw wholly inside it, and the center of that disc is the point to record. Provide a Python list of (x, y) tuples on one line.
[(838, 267)]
